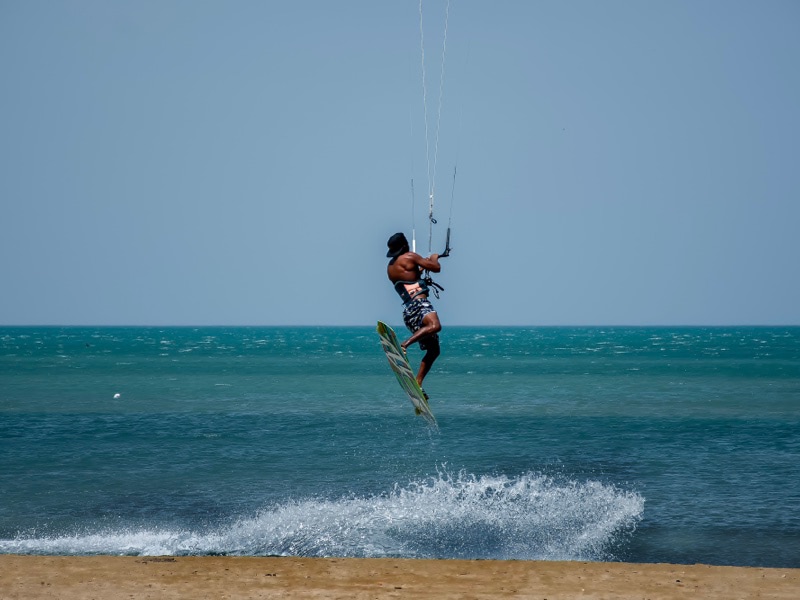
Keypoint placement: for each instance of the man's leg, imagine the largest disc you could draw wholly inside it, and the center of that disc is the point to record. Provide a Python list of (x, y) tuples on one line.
[(430, 327), (427, 361)]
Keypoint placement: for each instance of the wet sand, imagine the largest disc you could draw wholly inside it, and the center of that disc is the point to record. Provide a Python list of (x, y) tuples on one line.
[(126, 578)]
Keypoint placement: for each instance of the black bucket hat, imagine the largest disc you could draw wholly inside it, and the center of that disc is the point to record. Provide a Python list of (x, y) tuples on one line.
[(397, 245)]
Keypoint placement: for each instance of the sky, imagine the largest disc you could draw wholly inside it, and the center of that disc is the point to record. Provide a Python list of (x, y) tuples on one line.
[(196, 162)]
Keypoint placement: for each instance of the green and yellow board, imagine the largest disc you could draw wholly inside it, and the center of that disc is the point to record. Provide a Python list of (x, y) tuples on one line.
[(402, 370)]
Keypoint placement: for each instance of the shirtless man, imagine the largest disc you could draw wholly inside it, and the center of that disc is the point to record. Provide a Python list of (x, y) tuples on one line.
[(405, 272)]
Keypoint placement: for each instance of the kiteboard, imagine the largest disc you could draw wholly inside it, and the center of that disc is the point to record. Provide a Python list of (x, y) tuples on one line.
[(402, 370)]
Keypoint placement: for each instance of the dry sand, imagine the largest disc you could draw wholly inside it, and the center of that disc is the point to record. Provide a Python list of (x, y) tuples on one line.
[(125, 578)]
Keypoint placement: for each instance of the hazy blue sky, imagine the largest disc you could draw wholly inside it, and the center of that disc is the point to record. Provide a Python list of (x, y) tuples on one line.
[(243, 162)]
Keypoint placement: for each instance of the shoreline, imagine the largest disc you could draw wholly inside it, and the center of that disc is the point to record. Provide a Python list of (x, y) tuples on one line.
[(234, 578)]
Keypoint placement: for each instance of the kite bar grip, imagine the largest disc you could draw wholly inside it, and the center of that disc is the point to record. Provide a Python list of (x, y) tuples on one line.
[(446, 245)]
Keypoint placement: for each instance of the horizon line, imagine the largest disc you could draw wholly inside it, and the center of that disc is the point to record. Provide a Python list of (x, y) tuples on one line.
[(459, 325)]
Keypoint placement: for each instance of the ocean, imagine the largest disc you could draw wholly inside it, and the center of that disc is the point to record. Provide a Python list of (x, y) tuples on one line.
[(631, 444)]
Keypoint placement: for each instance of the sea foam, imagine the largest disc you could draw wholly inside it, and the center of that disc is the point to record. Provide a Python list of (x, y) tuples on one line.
[(528, 517)]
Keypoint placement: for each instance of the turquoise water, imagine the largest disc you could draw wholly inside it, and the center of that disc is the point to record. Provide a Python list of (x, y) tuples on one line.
[(636, 444)]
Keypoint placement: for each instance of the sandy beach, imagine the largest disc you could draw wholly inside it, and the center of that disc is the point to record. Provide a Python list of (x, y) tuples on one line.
[(124, 578)]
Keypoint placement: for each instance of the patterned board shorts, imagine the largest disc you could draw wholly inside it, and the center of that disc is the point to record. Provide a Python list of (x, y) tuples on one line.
[(413, 314)]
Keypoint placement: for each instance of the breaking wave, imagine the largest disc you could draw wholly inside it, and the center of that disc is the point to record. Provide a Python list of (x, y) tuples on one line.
[(529, 517)]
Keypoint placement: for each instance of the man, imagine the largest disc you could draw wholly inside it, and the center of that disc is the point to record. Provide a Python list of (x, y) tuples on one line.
[(405, 272)]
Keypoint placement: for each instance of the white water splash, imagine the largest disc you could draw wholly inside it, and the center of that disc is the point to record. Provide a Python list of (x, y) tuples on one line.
[(530, 517)]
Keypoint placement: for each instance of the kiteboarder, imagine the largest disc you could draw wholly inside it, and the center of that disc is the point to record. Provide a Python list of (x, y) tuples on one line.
[(405, 271)]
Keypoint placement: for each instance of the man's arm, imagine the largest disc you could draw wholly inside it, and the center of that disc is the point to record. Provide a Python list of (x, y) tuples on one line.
[(429, 264)]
